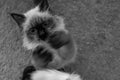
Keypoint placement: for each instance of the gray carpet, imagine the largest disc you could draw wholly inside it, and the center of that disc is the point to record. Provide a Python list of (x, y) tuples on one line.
[(95, 25)]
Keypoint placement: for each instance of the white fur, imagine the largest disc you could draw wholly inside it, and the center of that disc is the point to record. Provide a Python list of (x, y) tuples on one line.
[(60, 24), (29, 45), (53, 75)]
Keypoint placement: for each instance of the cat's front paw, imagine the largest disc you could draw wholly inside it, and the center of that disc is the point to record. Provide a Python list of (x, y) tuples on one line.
[(54, 64), (58, 39), (41, 57)]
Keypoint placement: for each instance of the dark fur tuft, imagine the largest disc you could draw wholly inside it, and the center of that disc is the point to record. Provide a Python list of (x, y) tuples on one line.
[(43, 4), (27, 72), (42, 56)]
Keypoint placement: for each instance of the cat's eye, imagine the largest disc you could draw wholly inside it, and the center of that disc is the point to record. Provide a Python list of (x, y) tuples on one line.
[(32, 30)]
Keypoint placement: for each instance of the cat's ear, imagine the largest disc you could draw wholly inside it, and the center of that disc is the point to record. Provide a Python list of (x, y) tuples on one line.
[(43, 5), (19, 18)]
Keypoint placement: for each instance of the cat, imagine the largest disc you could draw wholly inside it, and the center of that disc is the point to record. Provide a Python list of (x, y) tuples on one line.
[(45, 34)]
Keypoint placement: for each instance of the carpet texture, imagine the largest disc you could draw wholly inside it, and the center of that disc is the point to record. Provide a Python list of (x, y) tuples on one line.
[(95, 25)]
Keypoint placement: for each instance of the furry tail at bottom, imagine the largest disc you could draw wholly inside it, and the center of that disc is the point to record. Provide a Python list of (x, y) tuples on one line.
[(47, 74)]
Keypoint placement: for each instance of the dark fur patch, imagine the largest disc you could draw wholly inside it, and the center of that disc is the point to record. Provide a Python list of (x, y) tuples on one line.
[(36, 2), (42, 56), (61, 69), (43, 4), (27, 72), (40, 29), (37, 33), (58, 39)]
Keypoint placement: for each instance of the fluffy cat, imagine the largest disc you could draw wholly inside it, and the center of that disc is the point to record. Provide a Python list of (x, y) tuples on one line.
[(45, 34)]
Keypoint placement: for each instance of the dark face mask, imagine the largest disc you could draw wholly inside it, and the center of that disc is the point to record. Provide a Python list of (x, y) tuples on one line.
[(41, 31)]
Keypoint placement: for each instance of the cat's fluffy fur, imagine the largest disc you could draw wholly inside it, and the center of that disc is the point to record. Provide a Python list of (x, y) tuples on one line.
[(34, 15), (42, 29), (53, 75), (51, 43), (31, 74)]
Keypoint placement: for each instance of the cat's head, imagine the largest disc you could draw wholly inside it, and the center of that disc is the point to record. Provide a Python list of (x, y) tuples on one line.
[(37, 24)]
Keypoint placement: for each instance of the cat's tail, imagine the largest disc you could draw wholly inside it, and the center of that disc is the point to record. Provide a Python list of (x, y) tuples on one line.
[(30, 73), (54, 75)]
